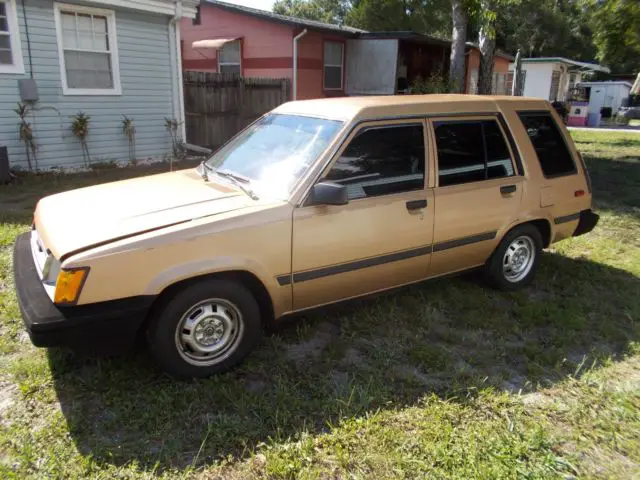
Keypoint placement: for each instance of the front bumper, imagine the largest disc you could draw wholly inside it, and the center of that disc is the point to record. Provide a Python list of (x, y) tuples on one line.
[(113, 323), (588, 221)]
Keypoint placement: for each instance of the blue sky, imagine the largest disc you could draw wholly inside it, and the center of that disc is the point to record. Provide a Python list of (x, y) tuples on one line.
[(262, 4)]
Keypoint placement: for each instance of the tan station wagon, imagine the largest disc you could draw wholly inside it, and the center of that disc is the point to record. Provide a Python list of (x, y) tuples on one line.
[(316, 202)]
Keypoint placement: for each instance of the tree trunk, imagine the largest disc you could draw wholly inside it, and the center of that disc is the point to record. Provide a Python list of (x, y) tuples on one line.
[(487, 51), (516, 88), (459, 38)]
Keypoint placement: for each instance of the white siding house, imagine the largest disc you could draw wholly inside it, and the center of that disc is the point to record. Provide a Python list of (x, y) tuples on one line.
[(551, 78), (106, 58), (607, 94)]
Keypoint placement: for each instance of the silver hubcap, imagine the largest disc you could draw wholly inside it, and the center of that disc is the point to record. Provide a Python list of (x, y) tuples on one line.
[(209, 332), (518, 259)]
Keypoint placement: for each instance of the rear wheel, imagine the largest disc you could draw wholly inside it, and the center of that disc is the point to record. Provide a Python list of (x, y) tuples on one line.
[(206, 328), (515, 262)]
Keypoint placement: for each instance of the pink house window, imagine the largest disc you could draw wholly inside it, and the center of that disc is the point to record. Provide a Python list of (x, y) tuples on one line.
[(229, 58), (333, 65)]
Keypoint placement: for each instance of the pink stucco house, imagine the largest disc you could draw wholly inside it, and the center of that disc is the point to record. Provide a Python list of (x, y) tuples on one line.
[(257, 43), (332, 60)]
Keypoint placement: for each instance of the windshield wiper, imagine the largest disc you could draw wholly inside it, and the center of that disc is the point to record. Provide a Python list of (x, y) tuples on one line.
[(238, 180)]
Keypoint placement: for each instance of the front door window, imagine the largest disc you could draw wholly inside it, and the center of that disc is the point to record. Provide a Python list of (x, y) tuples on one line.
[(381, 161)]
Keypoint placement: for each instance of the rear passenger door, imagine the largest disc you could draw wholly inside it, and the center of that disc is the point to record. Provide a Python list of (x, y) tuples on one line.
[(478, 190)]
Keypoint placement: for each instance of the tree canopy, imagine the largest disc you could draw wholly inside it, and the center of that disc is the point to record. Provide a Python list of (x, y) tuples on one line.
[(424, 16), (607, 31), (616, 28), (547, 28), (329, 11)]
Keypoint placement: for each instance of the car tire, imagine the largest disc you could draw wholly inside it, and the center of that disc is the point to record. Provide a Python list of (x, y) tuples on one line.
[(513, 265), (206, 328)]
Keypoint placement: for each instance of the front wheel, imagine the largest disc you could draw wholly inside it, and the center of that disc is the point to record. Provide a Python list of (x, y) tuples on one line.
[(206, 328), (515, 262)]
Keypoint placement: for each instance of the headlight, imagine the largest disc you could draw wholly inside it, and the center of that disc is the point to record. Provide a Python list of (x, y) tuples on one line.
[(69, 285)]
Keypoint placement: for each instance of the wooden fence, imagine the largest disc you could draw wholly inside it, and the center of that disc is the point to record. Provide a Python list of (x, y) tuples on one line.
[(218, 105)]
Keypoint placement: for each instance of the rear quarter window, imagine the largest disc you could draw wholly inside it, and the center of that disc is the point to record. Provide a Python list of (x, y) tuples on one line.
[(549, 143)]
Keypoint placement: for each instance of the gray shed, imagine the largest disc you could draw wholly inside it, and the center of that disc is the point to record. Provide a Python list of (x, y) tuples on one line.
[(612, 94)]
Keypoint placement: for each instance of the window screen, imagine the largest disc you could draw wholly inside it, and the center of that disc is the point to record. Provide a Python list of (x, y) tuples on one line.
[(555, 86), (229, 57), (197, 20), (553, 154), (87, 50), (6, 57), (333, 52), (498, 84), (472, 86), (382, 161), (509, 83), (471, 151)]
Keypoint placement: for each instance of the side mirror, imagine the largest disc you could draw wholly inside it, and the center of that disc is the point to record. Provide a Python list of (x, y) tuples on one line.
[(329, 193)]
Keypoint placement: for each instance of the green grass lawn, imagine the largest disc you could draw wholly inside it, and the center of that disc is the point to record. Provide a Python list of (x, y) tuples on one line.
[(447, 379)]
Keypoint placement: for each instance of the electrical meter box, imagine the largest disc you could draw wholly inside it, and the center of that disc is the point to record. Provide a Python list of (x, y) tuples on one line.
[(28, 90)]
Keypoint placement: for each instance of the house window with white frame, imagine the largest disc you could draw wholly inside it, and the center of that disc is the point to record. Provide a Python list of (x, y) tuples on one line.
[(88, 50), (229, 58), (333, 65), (10, 49)]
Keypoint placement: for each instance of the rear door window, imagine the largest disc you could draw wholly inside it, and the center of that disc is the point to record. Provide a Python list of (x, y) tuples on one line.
[(549, 144), (499, 163), (471, 151)]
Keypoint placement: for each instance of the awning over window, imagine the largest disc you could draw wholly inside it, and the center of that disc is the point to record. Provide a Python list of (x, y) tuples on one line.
[(213, 44)]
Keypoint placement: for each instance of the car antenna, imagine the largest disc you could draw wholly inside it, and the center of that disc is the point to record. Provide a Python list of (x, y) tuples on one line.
[(203, 168)]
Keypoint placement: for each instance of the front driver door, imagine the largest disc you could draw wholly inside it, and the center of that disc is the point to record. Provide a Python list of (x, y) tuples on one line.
[(382, 237)]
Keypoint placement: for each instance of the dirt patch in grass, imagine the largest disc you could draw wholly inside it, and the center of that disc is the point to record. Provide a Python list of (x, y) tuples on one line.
[(412, 374), (8, 392), (352, 357), (255, 385), (321, 338)]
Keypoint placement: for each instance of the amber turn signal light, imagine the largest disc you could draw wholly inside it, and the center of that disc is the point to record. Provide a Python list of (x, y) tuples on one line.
[(579, 193), (69, 285)]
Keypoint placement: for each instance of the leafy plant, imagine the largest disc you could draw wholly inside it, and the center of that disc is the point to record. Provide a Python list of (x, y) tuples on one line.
[(26, 135), (80, 128), (129, 130), (436, 83)]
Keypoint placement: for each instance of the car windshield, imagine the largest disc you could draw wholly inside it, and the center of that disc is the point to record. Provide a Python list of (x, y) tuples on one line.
[(276, 151)]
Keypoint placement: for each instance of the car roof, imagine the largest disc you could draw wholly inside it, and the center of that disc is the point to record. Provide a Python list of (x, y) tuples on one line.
[(348, 108)]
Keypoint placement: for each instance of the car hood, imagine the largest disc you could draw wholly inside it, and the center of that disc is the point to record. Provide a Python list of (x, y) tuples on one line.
[(80, 219)]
